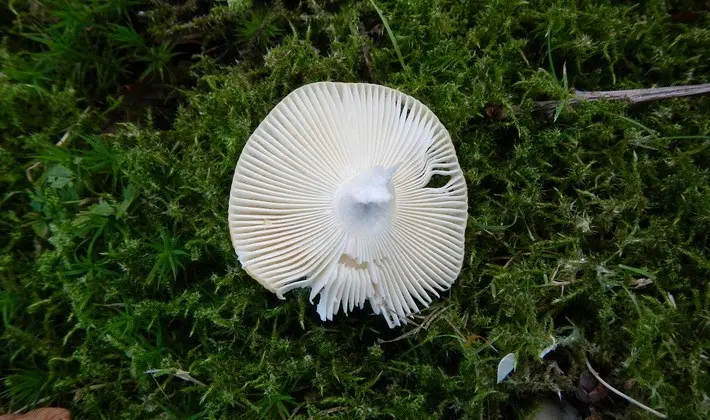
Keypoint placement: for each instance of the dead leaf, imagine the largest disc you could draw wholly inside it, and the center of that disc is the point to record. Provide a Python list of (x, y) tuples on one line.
[(47, 413)]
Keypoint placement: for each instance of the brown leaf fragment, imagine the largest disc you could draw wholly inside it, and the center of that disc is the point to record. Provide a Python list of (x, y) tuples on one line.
[(47, 413)]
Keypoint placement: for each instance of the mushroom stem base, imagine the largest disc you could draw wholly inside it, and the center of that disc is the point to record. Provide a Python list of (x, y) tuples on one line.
[(365, 204)]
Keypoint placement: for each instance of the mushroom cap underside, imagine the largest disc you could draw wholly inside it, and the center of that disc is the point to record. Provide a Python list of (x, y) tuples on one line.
[(335, 191)]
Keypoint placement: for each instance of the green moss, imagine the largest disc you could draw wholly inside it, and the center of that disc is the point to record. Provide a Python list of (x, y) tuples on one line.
[(116, 258)]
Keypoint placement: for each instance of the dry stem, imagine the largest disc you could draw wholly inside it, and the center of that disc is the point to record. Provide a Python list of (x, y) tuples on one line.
[(621, 394), (634, 96)]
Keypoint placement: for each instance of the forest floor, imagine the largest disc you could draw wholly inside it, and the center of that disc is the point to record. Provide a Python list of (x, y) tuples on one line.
[(121, 123)]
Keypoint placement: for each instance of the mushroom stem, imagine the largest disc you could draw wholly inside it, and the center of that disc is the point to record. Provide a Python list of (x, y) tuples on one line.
[(365, 203)]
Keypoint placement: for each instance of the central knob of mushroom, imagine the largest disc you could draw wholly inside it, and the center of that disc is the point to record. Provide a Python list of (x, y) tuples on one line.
[(365, 204)]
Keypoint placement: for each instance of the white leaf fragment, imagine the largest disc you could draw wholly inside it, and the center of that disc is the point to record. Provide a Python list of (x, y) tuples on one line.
[(505, 366), (332, 192), (185, 376), (182, 374), (671, 300)]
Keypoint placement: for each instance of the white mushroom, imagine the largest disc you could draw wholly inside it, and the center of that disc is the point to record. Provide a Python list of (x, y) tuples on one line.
[(331, 192)]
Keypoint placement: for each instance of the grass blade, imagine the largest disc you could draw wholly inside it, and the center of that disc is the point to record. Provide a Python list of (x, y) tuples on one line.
[(548, 35), (389, 33), (638, 271)]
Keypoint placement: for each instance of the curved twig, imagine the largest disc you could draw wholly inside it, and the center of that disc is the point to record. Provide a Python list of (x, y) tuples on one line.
[(621, 394)]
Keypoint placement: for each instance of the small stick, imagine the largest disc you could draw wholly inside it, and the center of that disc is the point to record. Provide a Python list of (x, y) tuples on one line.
[(634, 96), (645, 95), (66, 135), (621, 394)]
